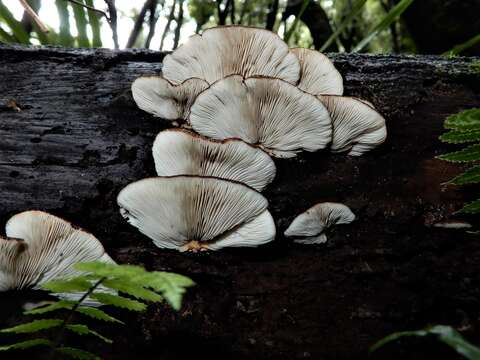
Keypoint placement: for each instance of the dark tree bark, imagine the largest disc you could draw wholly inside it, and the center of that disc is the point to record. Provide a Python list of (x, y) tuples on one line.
[(272, 14), (178, 27), (79, 138), (152, 22), (171, 16), (27, 21), (437, 26), (315, 18), (222, 14), (140, 20)]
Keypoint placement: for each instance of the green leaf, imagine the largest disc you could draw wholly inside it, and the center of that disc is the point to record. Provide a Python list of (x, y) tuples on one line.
[(62, 304), (387, 20), (68, 285), (6, 37), (94, 24), (446, 334), (15, 26), (459, 137), (119, 301), (77, 353), (293, 28), (102, 269), (468, 120), (33, 326), (471, 208), (357, 6), (463, 46), (97, 314), (172, 286), (471, 176), (132, 288), (470, 153), (81, 22), (85, 330), (65, 37), (26, 344)]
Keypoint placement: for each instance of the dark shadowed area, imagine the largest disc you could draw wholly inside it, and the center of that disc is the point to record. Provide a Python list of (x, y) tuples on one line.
[(79, 138)]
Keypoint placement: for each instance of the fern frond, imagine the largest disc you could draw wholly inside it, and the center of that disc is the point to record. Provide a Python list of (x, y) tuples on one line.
[(102, 269), (77, 354), (471, 208), (471, 176), (132, 289), (26, 344), (171, 286), (33, 326), (70, 285), (119, 301), (470, 153), (460, 137), (465, 120), (59, 305), (85, 330), (97, 314)]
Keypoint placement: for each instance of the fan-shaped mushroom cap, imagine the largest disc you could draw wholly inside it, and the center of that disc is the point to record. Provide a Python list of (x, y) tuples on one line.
[(357, 126), (227, 50), (179, 152), (310, 225), (159, 97), (271, 113), (179, 210), (43, 247), (318, 75)]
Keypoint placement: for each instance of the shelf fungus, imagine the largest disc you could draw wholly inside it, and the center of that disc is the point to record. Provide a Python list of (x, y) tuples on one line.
[(318, 75), (180, 152), (269, 113), (357, 126), (309, 227), (159, 97), (192, 213), (40, 247), (226, 50)]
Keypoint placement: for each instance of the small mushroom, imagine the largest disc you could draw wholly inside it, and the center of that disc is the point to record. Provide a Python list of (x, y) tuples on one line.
[(269, 113), (357, 126), (309, 227), (158, 96), (318, 75), (227, 50), (40, 247), (192, 213), (180, 152)]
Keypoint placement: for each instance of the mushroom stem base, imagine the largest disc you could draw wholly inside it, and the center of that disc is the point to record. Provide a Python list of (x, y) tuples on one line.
[(194, 246)]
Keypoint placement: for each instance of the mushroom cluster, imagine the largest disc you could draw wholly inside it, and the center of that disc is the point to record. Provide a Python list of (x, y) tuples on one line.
[(244, 96)]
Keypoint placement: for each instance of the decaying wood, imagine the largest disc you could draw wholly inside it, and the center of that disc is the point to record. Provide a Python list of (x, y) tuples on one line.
[(78, 138)]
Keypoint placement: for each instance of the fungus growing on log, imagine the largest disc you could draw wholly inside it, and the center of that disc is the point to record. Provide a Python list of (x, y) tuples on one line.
[(40, 247), (192, 213), (158, 96), (270, 113), (309, 227), (180, 152), (226, 50), (318, 75), (357, 126)]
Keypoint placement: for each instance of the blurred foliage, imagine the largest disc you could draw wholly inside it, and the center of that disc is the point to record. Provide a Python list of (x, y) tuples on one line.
[(356, 25)]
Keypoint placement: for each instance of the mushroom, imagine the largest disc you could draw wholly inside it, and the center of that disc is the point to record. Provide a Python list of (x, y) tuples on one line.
[(192, 213), (318, 75), (357, 126), (158, 96), (269, 113), (180, 152), (228, 50), (309, 227), (40, 247)]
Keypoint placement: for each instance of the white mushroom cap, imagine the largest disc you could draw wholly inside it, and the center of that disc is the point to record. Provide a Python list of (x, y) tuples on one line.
[(228, 50), (43, 247), (310, 225), (179, 152), (158, 96), (175, 211), (270, 113), (318, 75), (357, 126)]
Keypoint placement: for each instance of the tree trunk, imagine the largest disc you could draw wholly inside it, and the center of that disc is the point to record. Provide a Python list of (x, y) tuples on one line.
[(79, 138)]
